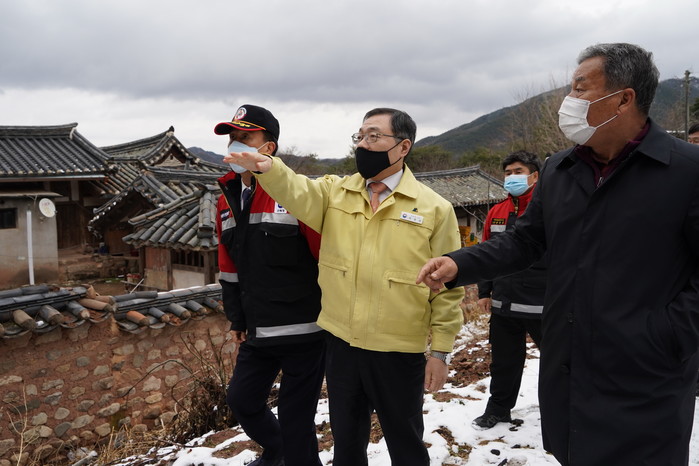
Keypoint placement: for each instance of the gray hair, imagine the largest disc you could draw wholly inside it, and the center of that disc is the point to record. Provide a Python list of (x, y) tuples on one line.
[(627, 65)]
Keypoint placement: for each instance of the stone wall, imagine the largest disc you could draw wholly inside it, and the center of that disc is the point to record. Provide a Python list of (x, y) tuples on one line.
[(74, 387)]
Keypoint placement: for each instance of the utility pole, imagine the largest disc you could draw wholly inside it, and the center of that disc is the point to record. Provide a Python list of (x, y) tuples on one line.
[(686, 104)]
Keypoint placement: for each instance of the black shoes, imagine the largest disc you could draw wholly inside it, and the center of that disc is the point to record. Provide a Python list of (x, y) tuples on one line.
[(488, 421)]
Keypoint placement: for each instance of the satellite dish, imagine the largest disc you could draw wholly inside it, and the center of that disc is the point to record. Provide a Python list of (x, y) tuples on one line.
[(47, 207)]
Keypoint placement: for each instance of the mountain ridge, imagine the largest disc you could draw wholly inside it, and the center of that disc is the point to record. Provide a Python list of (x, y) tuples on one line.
[(487, 130)]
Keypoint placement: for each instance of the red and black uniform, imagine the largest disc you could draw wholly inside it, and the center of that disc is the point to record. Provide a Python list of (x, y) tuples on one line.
[(268, 263), (269, 277), (516, 307)]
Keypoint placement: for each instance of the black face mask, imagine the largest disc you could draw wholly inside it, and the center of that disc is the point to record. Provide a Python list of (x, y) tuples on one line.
[(370, 163)]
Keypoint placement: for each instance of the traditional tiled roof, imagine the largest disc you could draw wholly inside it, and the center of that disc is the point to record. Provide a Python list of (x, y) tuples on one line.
[(464, 186), (158, 186), (151, 149), (185, 223), (158, 169), (49, 152), (42, 308), (163, 150)]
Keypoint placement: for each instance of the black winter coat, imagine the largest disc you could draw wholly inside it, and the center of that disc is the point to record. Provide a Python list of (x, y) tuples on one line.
[(620, 326)]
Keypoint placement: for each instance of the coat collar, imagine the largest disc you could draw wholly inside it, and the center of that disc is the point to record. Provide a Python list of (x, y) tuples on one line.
[(231, 175), (657, 145)]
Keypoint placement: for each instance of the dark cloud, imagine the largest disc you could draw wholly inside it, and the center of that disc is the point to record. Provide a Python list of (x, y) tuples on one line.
[(446, 60)]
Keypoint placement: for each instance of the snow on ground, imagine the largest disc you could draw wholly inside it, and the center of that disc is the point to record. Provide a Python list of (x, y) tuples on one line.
[(505, 444)]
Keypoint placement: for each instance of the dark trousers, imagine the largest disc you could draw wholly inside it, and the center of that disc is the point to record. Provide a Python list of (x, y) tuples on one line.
[(508, 340), (293, 435), (392, 384)]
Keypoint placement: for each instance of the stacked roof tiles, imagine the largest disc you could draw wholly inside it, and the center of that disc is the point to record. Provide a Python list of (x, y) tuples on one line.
[(43, 308), (150, 309), (187, 222), (57, 152)]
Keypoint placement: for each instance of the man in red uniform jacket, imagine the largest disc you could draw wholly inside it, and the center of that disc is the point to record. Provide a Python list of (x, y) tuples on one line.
[(515, 301), (268, 264)]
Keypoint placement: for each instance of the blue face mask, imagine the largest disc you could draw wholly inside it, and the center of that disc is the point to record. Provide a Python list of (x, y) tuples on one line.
[(517, 184), (237, 146)]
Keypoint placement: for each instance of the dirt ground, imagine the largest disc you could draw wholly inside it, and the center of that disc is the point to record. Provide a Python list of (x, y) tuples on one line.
[(109, 287)]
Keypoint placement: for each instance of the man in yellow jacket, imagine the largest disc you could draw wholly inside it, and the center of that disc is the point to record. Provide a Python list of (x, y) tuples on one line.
[(378, 227)]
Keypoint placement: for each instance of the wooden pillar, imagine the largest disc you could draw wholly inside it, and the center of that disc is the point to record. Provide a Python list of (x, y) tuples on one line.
[(209, 266)]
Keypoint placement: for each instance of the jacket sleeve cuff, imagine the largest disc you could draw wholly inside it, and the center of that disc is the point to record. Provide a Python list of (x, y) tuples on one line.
[(442, 343)]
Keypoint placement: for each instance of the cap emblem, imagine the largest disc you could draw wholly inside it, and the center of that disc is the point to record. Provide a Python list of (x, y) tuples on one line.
[(240, 114)]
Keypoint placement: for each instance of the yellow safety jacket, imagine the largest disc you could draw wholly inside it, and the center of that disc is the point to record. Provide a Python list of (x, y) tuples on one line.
[(369, 261)]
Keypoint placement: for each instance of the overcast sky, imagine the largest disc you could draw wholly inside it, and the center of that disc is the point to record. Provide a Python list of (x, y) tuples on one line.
[(128, 69)]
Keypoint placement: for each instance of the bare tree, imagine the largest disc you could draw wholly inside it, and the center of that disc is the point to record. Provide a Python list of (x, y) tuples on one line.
[(429, 159), (534, 122)]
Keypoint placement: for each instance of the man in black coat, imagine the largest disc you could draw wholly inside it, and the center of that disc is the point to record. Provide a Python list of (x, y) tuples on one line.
[(618, 216)]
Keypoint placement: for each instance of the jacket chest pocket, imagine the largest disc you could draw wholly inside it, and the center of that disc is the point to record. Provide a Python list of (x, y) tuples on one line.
[(279, 244)]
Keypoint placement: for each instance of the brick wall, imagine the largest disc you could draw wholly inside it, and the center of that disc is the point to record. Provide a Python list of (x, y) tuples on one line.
[(74, 387)]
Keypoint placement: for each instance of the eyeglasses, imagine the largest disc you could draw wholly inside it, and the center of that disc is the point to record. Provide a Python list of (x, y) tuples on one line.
[(371, 137)]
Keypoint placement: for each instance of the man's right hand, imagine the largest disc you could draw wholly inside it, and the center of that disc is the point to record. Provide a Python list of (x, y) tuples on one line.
[(484, 304), (437, 271), (238, 336), (253, 161)]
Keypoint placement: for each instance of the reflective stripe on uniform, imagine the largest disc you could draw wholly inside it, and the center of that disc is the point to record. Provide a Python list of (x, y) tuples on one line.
[(228, 223), (526, 308), (271, 217), (231, 277), (286, 330)]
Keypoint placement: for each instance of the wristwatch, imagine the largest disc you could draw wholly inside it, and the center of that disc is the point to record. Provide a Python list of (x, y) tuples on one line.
[(444, 357)]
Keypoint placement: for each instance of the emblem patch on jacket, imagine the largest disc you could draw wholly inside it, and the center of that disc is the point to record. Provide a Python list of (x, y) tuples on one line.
[(278, 209)]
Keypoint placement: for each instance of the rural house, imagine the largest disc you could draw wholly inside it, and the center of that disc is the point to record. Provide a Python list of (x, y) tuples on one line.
[(45, 170), (472, 192)]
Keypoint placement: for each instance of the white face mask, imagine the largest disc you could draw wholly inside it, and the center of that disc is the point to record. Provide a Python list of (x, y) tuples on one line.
[(237, 146), (572, 118)]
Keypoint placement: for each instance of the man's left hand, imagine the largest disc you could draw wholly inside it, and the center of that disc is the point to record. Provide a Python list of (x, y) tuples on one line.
[(436, 372)]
